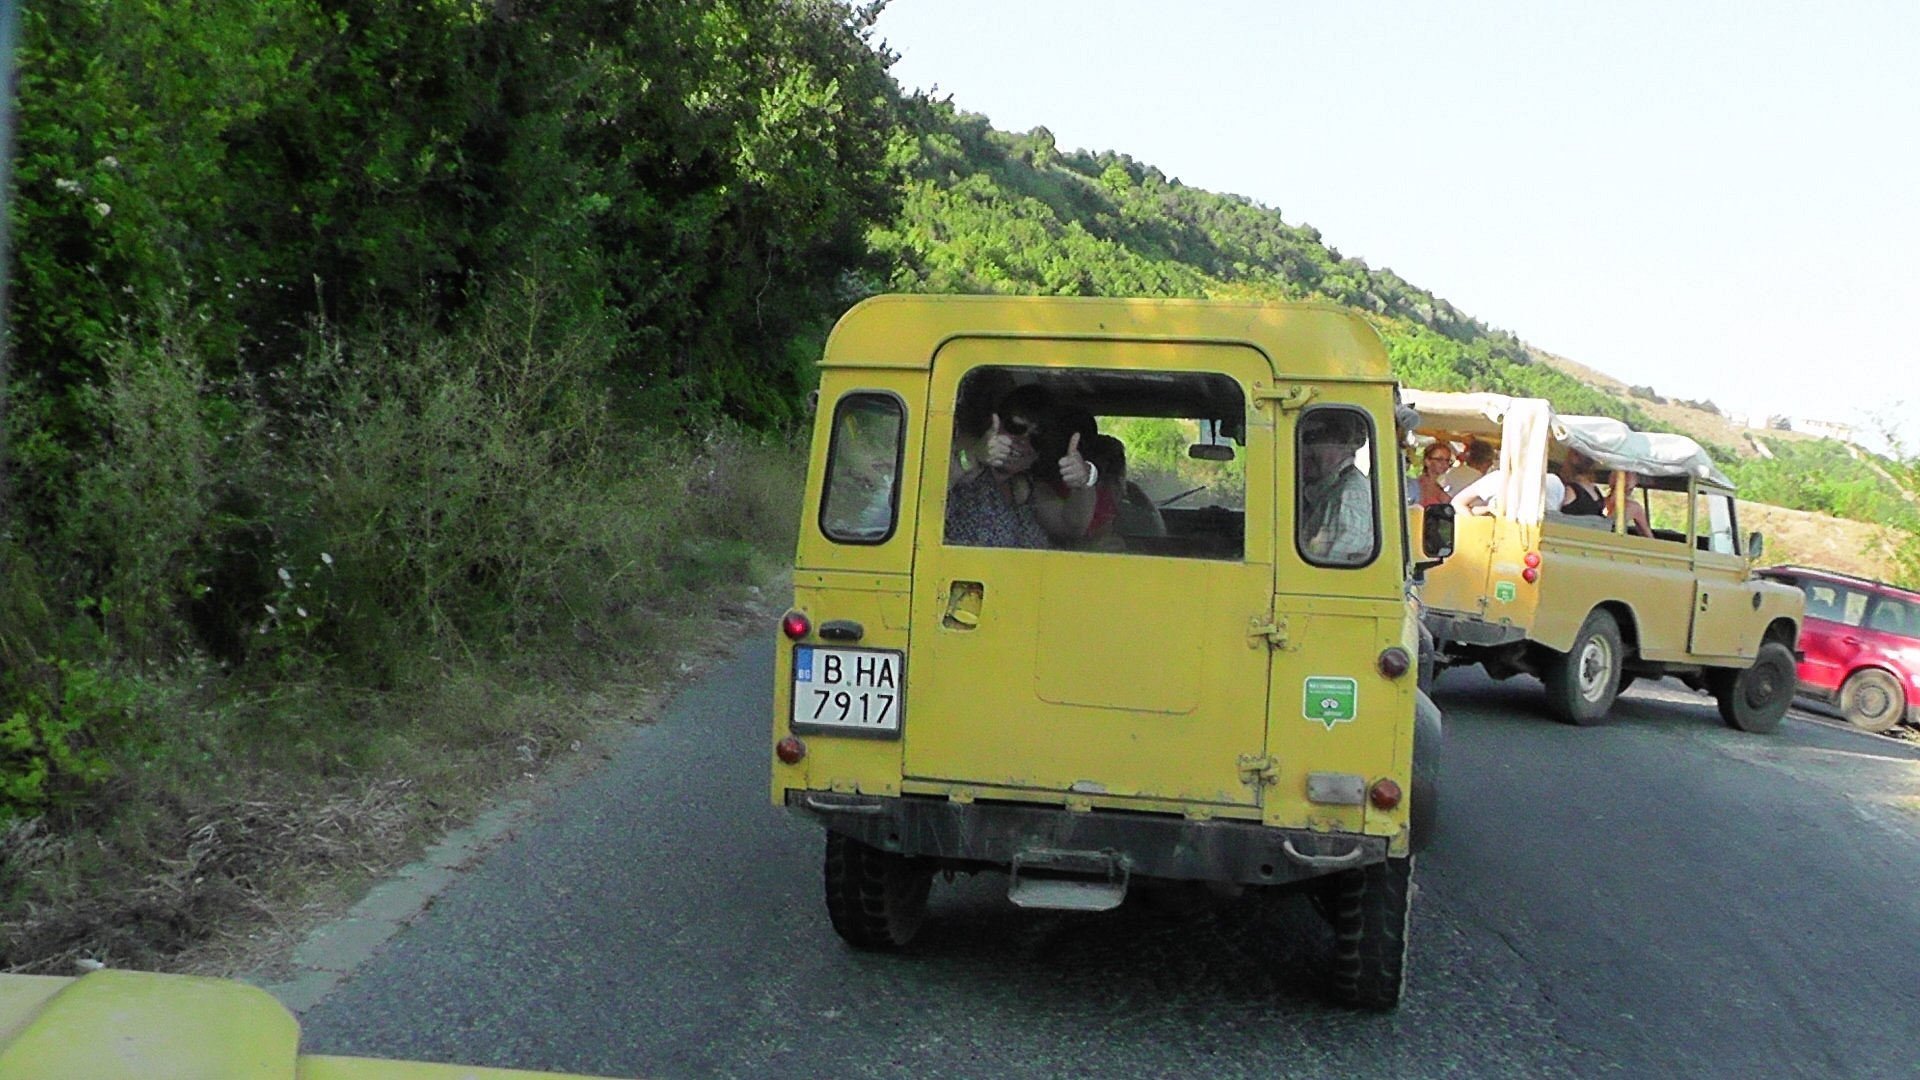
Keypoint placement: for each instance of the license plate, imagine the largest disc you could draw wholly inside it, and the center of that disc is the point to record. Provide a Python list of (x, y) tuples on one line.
[(847, 691)]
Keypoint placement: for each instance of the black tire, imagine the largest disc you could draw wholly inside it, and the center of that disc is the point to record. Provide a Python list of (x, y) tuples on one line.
[(1582, 683), (1423, 815), (1755, 699), (1429, 668), (876, 899), (1871, 700), (1368, 910)]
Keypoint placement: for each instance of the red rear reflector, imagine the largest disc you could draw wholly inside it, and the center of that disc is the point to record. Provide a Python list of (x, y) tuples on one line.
[(790, 750), (1394, 662), (1385, 794), (1530, 574), (795, 625)]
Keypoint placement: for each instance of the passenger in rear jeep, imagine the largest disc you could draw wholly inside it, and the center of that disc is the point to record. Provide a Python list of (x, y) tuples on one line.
[(991, 504)]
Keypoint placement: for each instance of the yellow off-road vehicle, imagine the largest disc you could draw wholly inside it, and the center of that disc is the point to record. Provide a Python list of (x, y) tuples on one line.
[(136, 1025), (1659, 583), (1104, 592)]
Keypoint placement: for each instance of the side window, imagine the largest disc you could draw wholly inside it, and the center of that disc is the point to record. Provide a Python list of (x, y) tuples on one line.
[(1716, 524), (1853, 607), (1336, 514), (1667, 510), (861, 504), (1895, 617), (1823, 602)]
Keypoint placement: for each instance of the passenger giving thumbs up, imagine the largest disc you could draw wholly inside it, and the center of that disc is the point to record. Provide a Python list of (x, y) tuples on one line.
[(1074, 470), (999, 446)]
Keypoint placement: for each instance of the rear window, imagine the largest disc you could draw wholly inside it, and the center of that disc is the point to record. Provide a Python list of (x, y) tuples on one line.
[(861, 504), (1164, 454)]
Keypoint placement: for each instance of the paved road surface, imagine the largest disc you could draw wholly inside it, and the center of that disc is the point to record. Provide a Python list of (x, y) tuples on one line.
[(1659, 896)]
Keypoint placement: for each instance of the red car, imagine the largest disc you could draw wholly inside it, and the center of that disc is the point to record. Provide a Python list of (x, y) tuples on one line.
[(1861, 643)]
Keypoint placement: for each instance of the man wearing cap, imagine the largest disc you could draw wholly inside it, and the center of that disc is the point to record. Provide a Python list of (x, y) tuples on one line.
[(1336, 499)]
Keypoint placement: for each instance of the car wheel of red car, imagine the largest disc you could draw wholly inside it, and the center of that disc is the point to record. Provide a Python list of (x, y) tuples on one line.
[(1871, 700)]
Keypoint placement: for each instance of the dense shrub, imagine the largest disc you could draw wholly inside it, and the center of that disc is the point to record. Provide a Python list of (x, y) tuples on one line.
[(348, 335)]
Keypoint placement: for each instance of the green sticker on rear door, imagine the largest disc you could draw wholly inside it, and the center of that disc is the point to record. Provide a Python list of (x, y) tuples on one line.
[(1504, 591), (1330, 700)]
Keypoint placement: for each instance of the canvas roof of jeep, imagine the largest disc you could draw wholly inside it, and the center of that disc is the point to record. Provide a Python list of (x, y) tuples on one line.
[(1320, 341), (1607, 441)]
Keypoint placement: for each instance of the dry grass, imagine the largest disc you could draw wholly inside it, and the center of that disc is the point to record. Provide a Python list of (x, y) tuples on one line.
[(1796, 536), (254, 813), (207, 866)]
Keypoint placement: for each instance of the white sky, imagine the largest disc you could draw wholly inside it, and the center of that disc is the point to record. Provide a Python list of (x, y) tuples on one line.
[(1720, 200)]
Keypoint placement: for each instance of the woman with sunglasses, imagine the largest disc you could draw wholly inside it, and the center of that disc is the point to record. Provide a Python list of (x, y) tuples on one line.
[(990, 499)]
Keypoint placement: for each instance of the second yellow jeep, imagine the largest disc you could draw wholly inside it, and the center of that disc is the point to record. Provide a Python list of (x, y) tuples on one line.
[(1656, 581)]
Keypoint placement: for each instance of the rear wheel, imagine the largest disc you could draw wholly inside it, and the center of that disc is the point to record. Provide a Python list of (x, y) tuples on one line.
[(1582, 684), (876, 899), (1368, 909), (1755, 699), (1871, 700)]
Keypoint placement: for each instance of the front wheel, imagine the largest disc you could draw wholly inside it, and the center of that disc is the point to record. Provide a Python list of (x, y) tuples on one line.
[(1582, 684), (1368, 909), (1871, 700), (876, 899), (1755, 699)]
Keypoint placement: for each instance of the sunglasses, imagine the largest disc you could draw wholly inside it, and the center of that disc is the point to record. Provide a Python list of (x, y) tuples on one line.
[(1018, 426)]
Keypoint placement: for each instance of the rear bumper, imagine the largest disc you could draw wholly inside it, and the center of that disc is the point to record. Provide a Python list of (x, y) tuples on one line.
[(990, 835)]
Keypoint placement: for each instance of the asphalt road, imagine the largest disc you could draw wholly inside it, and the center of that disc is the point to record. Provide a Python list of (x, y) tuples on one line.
[(1660, 896)]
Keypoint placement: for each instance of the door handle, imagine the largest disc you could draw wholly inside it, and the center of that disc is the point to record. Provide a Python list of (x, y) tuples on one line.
[(1851, 640), (964, 600)]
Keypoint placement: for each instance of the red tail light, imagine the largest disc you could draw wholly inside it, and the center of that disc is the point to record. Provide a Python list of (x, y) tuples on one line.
[(790, 750), (1532, 559), (1394, 662), (795, 625), (1385, 794), (1532, 575)]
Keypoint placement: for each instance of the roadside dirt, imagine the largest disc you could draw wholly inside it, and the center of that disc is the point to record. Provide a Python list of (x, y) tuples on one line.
[(258, 943)]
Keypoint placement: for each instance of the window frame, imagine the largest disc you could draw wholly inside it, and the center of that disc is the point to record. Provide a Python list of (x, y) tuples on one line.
[(840, 404), (1373, 487)]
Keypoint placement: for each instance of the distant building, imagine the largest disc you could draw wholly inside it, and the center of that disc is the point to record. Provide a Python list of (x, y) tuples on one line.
[(1826, 429)]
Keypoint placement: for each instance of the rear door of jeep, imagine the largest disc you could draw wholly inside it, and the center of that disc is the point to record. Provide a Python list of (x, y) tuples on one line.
[(1125, 672)]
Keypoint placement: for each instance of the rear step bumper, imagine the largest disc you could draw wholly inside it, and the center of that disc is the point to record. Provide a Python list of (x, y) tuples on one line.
[(999, 835)]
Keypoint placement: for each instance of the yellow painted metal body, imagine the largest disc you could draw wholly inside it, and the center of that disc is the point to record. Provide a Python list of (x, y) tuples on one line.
[(130, 1025), (1097, 681)]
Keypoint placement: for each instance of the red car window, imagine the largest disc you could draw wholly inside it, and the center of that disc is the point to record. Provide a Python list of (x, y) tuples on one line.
[(1896, 617)]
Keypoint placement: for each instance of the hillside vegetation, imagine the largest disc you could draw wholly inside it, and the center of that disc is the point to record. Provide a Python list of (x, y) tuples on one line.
[(383, 378)]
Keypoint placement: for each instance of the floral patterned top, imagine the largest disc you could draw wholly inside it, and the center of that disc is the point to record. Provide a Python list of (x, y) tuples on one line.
[(980, 514)]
